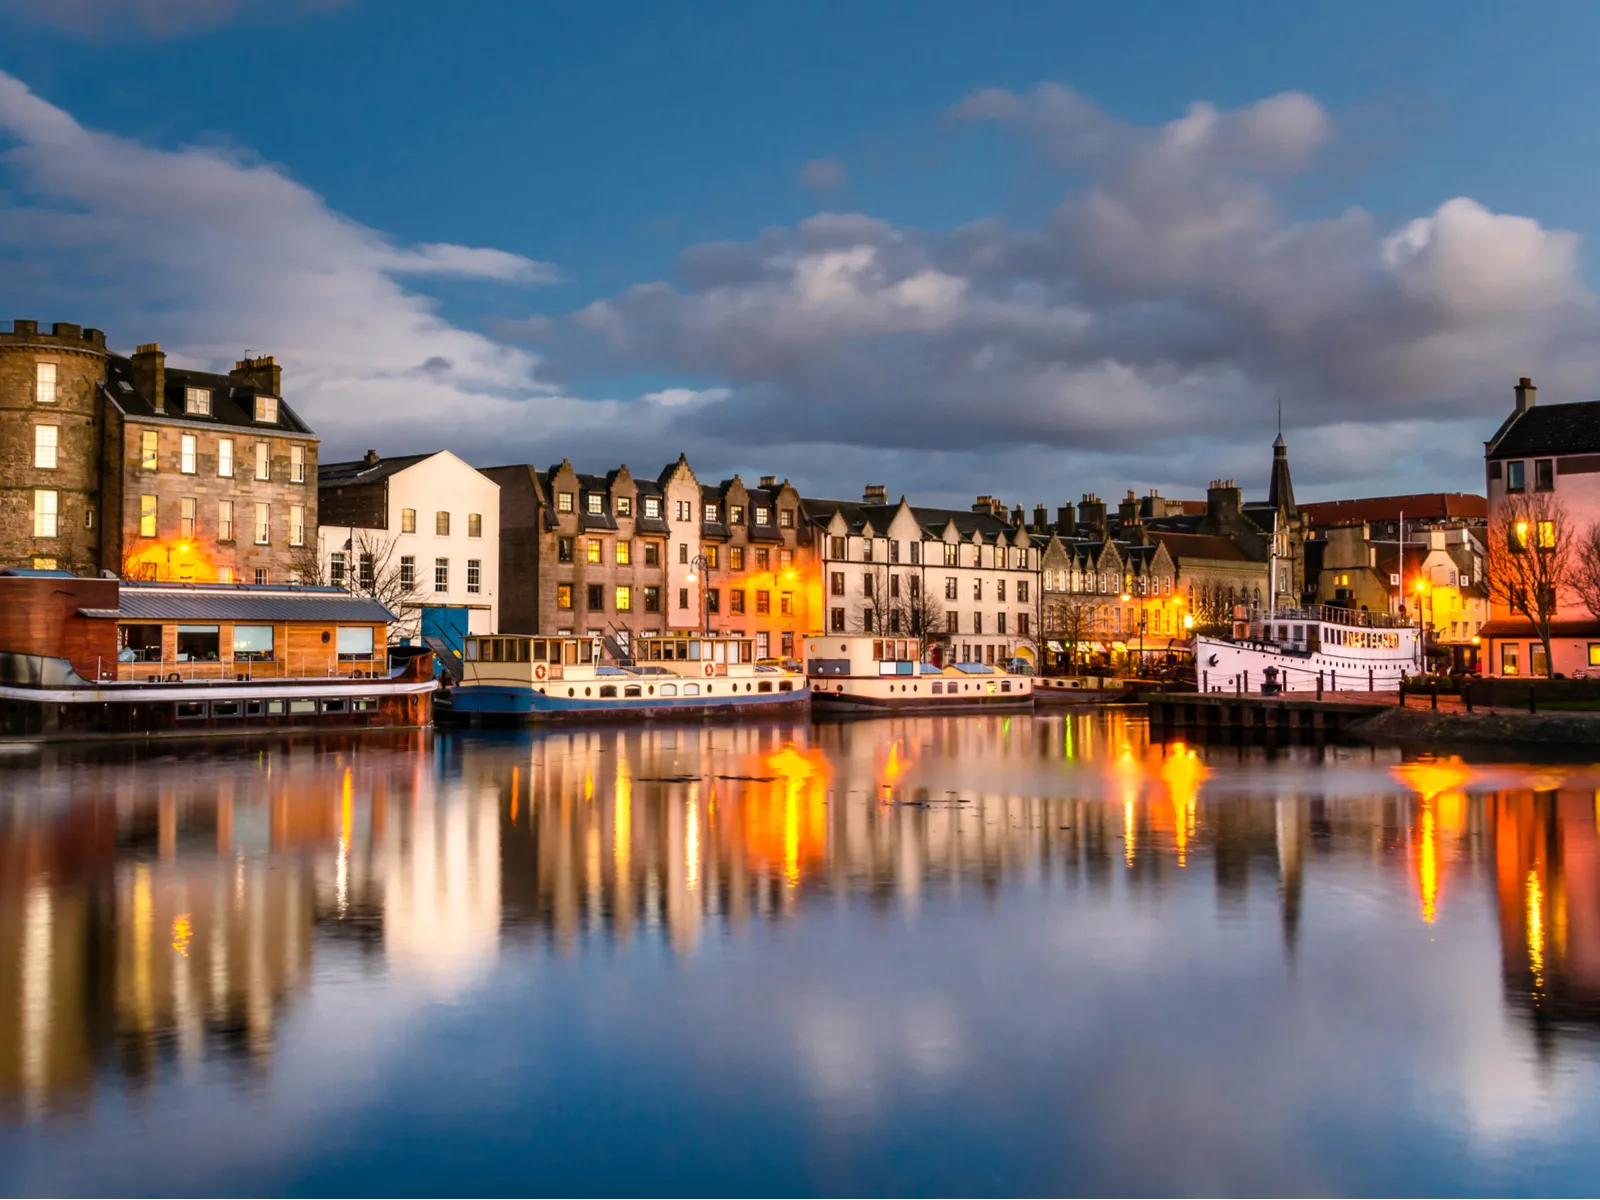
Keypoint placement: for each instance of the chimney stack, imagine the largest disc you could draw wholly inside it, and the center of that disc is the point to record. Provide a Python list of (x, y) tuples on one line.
[(1041, 518), (1066, 518), (150, 374), (1017, 519), (371, 459), (1092, 512), (769, 481), (1527, 395), (876, 493), (264, 372)]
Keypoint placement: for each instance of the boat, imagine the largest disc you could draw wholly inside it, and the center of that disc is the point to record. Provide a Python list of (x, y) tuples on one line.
[(866, 674), (1346, 650), (519, 677), (107, 658)]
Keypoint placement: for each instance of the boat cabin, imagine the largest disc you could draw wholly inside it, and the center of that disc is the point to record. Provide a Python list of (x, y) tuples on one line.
[(558, 653)]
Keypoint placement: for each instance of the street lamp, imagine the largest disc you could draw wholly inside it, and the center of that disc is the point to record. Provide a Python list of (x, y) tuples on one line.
[(699, 563)]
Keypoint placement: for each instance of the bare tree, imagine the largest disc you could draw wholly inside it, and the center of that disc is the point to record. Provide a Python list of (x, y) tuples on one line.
[(873, 617), (917, 613), (1586, 568), (369, 566), (1072, 618), (1531, 558)]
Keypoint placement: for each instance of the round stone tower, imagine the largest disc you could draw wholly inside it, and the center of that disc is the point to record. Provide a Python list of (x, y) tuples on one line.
[(51, 427)]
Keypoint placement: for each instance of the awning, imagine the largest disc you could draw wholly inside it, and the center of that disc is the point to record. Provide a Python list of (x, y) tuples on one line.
[(1054, 647)]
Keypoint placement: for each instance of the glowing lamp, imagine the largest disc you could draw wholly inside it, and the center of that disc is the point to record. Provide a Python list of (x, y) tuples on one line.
[(1188, 621), (691, 576)]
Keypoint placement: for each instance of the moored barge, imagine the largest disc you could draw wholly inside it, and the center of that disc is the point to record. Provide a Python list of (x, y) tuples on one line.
[(865, 674)]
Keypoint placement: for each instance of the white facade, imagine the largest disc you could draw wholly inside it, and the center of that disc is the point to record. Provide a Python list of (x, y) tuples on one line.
[(443, 534)]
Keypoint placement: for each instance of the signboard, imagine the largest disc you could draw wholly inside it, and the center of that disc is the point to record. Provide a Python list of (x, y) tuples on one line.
[(1394, 580)]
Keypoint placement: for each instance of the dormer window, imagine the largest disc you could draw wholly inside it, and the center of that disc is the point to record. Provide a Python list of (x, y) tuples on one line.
[(624, 506), (266, 410), (596, 503), (564, 502), (652, 507), (197, 402), (711, 513)]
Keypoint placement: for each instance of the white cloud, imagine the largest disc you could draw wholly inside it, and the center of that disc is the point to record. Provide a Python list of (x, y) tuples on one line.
[(682, 397)]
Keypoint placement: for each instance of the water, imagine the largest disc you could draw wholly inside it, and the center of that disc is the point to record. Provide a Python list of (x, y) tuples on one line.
[(958, 955)]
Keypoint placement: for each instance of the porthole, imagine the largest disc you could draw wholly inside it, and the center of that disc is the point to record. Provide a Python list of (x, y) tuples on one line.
[(570, 692), (587, 691), (652, 690)]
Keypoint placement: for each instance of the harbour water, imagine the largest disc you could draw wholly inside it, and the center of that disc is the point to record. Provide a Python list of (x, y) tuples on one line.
[(1029, 954)]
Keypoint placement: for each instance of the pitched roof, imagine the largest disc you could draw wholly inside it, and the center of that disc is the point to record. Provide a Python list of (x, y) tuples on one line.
[(233, 399), (1202, 545), (360, 471), (932, 520), (1421, 506), (1549, 429)]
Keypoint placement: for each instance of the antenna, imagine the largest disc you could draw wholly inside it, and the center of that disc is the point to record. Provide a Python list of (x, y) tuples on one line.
[(1280, 416)]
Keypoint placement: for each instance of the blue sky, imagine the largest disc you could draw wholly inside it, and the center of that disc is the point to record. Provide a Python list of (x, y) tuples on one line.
[(529, 231)]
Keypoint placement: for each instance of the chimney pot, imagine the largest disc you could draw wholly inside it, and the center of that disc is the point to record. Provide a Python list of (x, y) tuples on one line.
[(768, 481), (26, 328), (876, 493), (372, 458), (1527, 394), (150, 374)]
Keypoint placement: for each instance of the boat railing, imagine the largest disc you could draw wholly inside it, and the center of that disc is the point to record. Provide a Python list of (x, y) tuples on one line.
[(1330, 614), (238, 670)]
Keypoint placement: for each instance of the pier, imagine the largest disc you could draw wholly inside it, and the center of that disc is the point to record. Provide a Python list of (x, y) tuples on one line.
[(1226, 710)]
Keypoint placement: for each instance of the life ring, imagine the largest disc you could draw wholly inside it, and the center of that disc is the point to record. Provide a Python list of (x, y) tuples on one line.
[(710, 670), (539, 671)]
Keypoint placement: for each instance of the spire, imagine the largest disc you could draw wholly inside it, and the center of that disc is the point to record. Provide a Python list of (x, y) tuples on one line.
[(1280, 492)]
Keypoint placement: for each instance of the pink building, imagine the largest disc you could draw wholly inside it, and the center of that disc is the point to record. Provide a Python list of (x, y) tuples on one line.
[(1552, 450)]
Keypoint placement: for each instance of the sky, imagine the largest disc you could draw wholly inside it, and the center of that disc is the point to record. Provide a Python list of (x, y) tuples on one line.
[(1023, 250)]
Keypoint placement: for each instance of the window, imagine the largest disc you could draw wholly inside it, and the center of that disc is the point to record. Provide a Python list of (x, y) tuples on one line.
[(786, 518), (652, 507), (266, 410), (149, 450), (199, 643), (866, 549), (763, 558), (652, 554), (836, 583), (1515, 482), (263, 524), (252, 643), (652, 599), (1022, 591), (735, 558), (786, 604), (1000, 590), (197, 402), (44, 383), (836, 548), (564, 502), (735, 514), (952, 622), (297, 464), (867, 586), (711, 554), (786, 648), (355, 641), (763, 515), (45, 513), (1022, 625), (408, 520), (916, 554), (593, 550), (785, 559), (563, 595), (441, 524), (186, 454), (263, 461), (186, 507), (1540, 663), (474, 576), (624, 598), (894, 587), (713, 600), (263, 577), (224, 520), (408, 571), (836, 620), (949, 587), (685, 510), (564, 549), (596, 503), (1544, 474), (597, 597), (894, 550), (1594, 651), (711, 513), (225, 575), (683, 597), (977, 589), (474, 525), (1547, 535), (225, 458), (977, 622), (147, 516), (297, 525), (735, 600), (336, 568), (46, 441), (624, 506), (441, 575), (952, 554), (624, 552), (1000, 623), (683, 552), (763, 603)]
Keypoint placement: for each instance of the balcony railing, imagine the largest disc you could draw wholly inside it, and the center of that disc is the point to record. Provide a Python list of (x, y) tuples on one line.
[(235, 670)]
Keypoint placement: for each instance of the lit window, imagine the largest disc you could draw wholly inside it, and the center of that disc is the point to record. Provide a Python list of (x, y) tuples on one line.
[(263, 460), (224, 520), (786, 604), (711, 513), (225, 457), (595, 503), (408, 520), (45, 513), (563, 595), (225, 575), (564, 502), (785, 559), (186, 511), (441, 524), (297, 464), (711, 556), (475, 525), (1547, 535), (624, 598), (186, 457), (44, 390), (266, 410), (197, 401), (763, 516), (297, 525), (624, 506), (624, 552), (736, 558), (441, 574), (149, 450), (594, 550), (474, 575), (46, 442), (263, 524), (652, 506), (147, 516), (736, 514)]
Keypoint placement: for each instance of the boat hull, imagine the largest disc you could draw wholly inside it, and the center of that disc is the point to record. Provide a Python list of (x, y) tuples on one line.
[(485, 703), (1228, 666)]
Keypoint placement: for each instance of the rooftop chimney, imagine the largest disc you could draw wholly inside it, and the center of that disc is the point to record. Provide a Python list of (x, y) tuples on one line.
[(1092, 512), (983, 504), (1066, 518), (264, 372), (1041, 517), (769, 481), (150, 374), (1017, 519), (371, 459), (1526, 395), (876, 493)]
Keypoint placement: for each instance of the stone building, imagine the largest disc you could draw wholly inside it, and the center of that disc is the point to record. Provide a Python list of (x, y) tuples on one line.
[(758, 555), (116, 463)]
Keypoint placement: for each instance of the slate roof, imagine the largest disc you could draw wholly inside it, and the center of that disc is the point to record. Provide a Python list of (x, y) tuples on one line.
[(1549, 429), (145, 602), (1422, 506), (932, 520), (1202, 545), (348, 474), (233, 399), (36, 573)]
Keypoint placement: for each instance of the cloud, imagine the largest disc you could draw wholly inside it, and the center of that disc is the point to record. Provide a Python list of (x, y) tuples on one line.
[(1140, 334), (822, 174), (159, 18)]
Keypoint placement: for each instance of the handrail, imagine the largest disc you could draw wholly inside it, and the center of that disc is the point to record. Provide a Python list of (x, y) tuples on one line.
[(237, 670)]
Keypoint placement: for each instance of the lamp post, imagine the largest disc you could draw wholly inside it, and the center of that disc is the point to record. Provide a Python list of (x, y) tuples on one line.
[(699, 563)]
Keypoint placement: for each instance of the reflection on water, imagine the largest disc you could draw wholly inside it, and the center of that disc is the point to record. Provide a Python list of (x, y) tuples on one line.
[(163, 917)]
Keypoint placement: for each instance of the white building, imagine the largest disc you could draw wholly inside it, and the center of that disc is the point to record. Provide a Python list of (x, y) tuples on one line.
[(420, 531), (979, 571)]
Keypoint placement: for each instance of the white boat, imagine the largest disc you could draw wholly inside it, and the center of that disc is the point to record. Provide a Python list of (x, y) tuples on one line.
[(1350, 651), (862, 673)]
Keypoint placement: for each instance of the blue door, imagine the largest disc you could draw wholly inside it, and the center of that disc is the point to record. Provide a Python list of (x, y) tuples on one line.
[(444, 631)]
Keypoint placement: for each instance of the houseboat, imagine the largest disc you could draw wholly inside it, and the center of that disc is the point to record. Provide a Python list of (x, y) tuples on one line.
[(86, 658), (522, 678), (1350, 651), (865, 674)]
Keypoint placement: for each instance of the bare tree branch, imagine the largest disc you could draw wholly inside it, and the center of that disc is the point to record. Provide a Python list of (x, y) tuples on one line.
[(1532, 557)]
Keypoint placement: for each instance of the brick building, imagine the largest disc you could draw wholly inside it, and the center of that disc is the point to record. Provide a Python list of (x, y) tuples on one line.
[(115, 463)]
